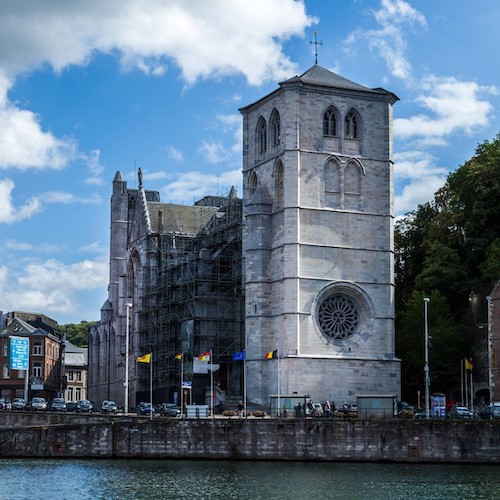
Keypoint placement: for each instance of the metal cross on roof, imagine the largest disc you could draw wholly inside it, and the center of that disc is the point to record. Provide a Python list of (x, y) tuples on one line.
[(316, 43)]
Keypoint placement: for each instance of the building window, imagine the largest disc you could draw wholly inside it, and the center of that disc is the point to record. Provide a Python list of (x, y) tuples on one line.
[(330, 122), (351, 126), (332, 185), (20, 373), (37, 349), (278, 185), (79, 376), (261, 136), (252, 183), (6, 373), (338, 317), (69, 394), (275, 129), (78, 393), (37, 370), (352, 186), (70, 375)]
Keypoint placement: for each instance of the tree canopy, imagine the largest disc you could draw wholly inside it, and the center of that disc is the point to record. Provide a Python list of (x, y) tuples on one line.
[(77, 334), (445, 250)]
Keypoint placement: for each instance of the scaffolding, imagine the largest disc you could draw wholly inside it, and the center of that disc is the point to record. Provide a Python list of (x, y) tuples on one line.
[(193, 295)]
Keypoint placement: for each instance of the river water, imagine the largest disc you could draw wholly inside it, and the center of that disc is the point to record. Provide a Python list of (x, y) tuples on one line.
[(70, 479)]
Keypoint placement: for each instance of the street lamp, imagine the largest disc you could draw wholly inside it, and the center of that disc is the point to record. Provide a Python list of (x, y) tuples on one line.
[(426, 365), (129, 305), (490, 349)]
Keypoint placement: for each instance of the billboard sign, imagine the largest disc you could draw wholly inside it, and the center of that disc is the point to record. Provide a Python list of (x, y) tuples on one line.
[(19, 353)]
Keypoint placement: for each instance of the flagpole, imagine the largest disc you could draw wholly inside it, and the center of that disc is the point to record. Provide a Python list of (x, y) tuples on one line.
[(182, 384), (151, 384), (471, 392), (279, 389), (466, 386), (245, 383), (212, 383), (462, 383)]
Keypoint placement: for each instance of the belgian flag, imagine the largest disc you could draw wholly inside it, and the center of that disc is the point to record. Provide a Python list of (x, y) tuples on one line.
[(271, 355)]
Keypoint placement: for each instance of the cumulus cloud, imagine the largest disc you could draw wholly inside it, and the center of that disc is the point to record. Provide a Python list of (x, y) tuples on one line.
[(396, 18), (452, 106), (30, 292), (174, 153), (419, 176), (192, 186), (204, 40), (10, 214)]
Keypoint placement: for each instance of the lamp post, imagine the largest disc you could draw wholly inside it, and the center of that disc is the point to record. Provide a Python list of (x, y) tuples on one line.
[(426, 365), (127, 334), (490, 349)]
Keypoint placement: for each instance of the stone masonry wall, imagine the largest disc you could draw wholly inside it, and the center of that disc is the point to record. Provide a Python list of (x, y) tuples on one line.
[(252, 439)]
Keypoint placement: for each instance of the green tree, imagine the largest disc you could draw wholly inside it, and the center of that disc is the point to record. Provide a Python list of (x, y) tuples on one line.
[(447, 346), (77, 334)]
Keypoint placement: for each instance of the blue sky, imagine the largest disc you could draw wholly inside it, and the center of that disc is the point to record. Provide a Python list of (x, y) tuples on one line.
[(89, 87)]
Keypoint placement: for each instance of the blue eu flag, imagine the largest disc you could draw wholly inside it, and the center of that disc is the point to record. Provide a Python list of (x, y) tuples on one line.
[(239, 356)]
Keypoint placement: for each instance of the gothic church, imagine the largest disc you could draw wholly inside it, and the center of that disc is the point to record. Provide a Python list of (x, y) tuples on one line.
[(302, 266)]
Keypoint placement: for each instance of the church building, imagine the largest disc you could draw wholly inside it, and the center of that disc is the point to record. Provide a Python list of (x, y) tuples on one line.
[(298, 274)]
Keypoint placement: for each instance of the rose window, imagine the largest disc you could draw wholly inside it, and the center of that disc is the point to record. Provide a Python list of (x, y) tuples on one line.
[(338, 317)]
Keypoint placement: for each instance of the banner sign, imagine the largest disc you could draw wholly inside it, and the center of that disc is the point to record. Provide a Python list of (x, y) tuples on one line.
[(19, 353)]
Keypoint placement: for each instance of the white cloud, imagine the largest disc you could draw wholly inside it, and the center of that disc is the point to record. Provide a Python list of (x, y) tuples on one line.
[(420, 177), (174, 154), (396, 18), (10, 214), (192, 186), (213, 152), (204, 39), (95, 167), (24, 246), (30, 291), (453, 106)]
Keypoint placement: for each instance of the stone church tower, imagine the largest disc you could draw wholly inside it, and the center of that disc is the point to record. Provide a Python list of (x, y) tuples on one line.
[(318, 240)]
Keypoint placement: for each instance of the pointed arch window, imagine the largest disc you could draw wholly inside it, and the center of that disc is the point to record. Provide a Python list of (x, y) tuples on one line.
[(261, 139), (252, 183), (278, 185), (351, 126), (352, 186), (330, 122), (275, 125), (332, 185)]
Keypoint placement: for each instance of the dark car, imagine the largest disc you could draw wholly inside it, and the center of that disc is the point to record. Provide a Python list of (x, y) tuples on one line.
[(490, 412), (4, 404), (145, 409), (84, 406), (71, 406), (169, 410), (18, 404), (58, 404), (109, 407)]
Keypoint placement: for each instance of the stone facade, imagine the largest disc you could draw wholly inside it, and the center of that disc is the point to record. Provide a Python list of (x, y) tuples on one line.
[(318, 240), (309, 261)]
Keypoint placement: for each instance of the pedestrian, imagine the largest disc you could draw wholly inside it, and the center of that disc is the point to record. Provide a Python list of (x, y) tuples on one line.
[(328, 409), (241, 407)]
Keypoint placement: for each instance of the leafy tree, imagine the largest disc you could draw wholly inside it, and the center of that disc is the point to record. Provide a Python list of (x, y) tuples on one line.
[(447, 346), (77, 334)]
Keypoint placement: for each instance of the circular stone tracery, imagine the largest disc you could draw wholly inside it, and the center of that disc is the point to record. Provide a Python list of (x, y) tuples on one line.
[(338, 317)]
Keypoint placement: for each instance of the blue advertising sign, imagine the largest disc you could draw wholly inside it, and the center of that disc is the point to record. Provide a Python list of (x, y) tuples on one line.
[(19, 353)]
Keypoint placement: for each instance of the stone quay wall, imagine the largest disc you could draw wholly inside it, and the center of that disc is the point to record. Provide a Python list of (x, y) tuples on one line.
[(250, 439)]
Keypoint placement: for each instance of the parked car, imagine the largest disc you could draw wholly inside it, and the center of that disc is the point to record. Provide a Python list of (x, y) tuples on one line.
[(38, 404), (84, 406), (461, 412), (145, 409), (169, 410), (109, 407), (490, 412), (71, 406), (18, 404), (317, 410), (5, 404), (58, 404)]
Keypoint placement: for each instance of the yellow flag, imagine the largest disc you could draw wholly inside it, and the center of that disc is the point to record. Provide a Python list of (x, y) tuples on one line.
[(144, 359), (178, 356), (468, 364)]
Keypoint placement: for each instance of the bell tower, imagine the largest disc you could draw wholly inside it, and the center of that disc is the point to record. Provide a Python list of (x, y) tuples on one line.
[(318, 240)]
